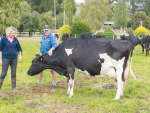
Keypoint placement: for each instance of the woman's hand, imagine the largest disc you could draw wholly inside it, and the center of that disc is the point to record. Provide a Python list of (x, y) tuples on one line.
[(1, 62), (20, 58)]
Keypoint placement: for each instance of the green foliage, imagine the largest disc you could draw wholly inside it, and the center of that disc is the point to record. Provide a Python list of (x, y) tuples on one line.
[(130, 31), (68, 6), (141, 31), (47, 19), (59, 20), (42, 6), (9, 16), (94, 12), (146, 8), (138, 17), (121, 13), (108, 33), (64, 29), (79, 27), (129, 24), (100, 33)]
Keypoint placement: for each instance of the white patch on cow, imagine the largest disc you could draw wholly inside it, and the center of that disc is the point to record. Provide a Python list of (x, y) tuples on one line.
[(131, 72), (108, 68), (68, 51), (80, 71), (99, 61)]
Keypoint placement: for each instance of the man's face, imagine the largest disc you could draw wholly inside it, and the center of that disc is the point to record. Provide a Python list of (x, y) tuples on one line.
[(46, 32)]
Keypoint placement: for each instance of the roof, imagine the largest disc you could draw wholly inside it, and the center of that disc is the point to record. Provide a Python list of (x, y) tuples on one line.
[(109, 22)]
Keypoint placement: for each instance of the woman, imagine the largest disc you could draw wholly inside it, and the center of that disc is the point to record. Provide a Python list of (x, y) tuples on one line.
[(9, 48), (48, 44)]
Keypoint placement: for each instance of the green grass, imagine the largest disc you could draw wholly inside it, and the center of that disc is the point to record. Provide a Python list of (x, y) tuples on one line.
[(86, 99)]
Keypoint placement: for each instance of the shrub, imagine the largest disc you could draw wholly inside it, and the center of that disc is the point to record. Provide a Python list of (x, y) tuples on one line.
[(130, 31), (79, 27), (100, 33), (64, 29), (141, 31), (108, 33)]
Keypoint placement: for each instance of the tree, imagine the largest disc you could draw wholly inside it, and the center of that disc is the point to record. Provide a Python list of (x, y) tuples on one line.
[(121, 13), (47, 19), (140, 16), (31, 22), (94, 12), (68, 6), (146, 8), (24, 8), (9, 16)]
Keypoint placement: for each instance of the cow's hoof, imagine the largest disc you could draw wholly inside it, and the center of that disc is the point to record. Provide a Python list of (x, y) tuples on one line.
[(116, 98)]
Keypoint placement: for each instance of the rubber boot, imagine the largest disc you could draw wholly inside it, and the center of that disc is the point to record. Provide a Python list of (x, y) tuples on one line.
[(1, 83), (13, 83), (53, 89)]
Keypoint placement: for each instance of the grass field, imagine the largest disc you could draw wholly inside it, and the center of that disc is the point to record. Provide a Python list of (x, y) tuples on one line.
[(91, 95)]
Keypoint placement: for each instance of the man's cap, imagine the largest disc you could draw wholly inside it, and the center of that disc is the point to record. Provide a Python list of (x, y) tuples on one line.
[(46, 27)]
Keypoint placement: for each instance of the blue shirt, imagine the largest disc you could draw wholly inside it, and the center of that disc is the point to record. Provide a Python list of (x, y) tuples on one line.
[(47, 43), (9, 49)]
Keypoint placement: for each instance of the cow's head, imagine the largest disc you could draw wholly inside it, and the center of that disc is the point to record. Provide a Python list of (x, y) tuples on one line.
[(65, 37), (37, 65)]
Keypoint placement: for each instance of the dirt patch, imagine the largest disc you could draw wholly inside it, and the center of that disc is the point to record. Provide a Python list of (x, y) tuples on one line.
[(45, 88)]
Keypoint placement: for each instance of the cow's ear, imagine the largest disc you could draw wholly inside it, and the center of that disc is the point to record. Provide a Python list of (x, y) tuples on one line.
[(41, 58)]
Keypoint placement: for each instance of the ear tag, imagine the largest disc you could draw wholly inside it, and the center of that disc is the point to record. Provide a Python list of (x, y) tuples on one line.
[(41, 59)]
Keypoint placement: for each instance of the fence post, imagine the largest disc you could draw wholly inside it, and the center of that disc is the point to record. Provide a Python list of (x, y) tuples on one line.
[(113, 36), (75, 35), (35, 37)]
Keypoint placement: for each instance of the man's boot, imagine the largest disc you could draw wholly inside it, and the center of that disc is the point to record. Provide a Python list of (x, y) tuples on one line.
[(53, 89), (13, 83), (1, 82)]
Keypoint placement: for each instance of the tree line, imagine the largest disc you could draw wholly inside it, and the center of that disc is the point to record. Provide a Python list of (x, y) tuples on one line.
[(32, 15)]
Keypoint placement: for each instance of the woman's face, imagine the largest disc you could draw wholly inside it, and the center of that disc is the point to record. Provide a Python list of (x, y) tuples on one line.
[(12, 34), (47, 32)]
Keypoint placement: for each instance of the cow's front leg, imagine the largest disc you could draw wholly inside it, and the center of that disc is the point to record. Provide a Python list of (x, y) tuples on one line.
[(70, 81)]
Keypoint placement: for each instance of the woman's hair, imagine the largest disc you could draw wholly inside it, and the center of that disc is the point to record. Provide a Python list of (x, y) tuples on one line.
[(10, 29)]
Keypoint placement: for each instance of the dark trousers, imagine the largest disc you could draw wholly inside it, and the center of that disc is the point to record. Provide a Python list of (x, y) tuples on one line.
[(6, 62)]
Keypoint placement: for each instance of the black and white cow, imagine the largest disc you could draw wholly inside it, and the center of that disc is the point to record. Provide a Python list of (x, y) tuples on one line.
[(145, 43), (57, 37), (132, 38), (93, 56), (65, 37), (91, 35)]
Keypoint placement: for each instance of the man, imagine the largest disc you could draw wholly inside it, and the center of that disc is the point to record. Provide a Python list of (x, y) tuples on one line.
[(48, 44)]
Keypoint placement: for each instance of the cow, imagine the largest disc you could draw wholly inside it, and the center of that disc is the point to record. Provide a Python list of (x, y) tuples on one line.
[(132, 38), (65, 37), (94, 56), (57, 37), (145, 42), (91, 35)]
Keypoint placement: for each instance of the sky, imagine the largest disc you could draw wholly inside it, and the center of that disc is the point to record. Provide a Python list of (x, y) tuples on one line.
[(79, 1)]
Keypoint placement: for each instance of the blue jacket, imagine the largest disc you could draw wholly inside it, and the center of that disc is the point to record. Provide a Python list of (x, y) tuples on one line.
[(8, 49), (47, 43)]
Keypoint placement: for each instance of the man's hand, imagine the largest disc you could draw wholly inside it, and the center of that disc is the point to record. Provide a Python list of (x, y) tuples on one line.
[(50, 52)]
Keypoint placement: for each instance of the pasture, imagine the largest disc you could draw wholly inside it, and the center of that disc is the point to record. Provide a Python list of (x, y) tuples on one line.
[(91, 94)]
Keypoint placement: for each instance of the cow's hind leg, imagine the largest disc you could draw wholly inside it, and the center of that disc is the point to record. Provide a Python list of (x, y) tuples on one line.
[(119, 84), (70, 81)]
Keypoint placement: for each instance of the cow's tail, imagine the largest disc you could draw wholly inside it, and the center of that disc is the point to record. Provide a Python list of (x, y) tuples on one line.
[(130, 67)]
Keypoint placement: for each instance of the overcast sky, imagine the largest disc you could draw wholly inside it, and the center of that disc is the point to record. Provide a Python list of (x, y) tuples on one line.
[(79, 1)]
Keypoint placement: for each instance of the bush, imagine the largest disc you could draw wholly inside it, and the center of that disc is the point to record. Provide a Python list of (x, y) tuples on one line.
[(130, 31), (109, 33), (64, 29), (79, 27), (108, 29), (141, 31), (100, 33)]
